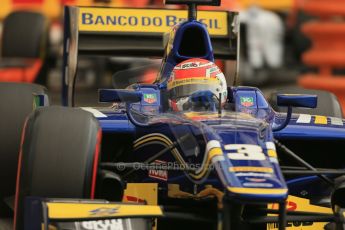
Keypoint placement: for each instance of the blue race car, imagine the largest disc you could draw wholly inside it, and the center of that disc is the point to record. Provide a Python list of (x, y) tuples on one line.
[(212, 155)]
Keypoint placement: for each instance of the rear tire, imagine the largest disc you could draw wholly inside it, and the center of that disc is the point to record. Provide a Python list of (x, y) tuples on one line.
[(16, 103), (59, 156)]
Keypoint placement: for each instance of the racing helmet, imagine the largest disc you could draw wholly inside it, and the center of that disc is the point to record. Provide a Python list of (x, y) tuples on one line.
[(192, 77)]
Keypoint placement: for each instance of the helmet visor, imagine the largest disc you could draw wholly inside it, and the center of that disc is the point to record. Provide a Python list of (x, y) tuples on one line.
[(186, 87)]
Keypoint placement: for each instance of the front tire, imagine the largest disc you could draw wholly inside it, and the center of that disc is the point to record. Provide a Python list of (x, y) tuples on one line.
[(58, 157)]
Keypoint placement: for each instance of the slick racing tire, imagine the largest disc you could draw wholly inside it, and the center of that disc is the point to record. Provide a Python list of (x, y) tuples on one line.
[(16, 103), (58, 158), (327, 103)]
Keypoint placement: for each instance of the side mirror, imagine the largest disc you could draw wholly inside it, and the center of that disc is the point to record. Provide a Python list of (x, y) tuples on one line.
[(297, 100), (293, 100), (119, 95)]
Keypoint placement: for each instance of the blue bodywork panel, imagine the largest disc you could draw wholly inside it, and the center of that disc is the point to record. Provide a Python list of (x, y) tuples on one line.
[(231, 150), (310, 130), (246, 175)]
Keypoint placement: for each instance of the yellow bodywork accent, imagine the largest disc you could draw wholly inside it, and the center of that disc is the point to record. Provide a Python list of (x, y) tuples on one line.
[(272, 153), (321, 120), (146, 20), (208, 115), (215, 152), (84, 210), (212, 153), (144, 191), (201, 115), (295, 203), (261, 191), (251, 169), (174, 191)]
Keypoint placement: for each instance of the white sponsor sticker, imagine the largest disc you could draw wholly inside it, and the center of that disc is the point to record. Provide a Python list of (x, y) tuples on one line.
[(274, 160), (261, 185), (115, 224), (336, 121), (245, 152), (304, 119), (217, 159), (95, 112), (271, 145), (158, 173), (267, 175)]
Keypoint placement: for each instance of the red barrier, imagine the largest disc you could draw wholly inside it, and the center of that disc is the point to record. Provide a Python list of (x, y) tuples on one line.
[(27, 73), (328, 49)]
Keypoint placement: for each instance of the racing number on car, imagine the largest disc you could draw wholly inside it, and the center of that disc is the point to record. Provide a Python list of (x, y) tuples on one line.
[(245, 152)]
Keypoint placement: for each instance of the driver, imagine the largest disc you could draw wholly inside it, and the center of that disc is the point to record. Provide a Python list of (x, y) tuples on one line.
[(196, 84)]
